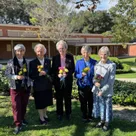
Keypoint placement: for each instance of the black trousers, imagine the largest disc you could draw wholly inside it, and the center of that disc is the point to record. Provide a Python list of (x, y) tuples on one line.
[(86, 101), (63, 94)]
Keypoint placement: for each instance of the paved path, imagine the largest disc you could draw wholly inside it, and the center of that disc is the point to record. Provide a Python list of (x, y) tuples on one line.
[(127, 79)]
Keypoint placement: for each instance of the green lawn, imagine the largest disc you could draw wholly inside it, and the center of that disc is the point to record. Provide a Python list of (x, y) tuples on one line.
[(129, 61), (127, 75), (74, 127)]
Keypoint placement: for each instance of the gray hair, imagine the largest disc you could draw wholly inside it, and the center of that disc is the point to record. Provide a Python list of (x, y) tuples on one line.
[(19, 46), (62, 43), (104, 49), (87, 49), (41, 46)]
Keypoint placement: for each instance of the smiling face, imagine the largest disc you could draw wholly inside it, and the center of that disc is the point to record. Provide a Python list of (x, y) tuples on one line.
[(40, 52), (104, 56), (62, 50), (20, 53)]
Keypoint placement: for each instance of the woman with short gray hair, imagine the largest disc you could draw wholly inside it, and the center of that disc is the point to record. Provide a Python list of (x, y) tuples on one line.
[(17, 72), (84, 73), (103, 87)]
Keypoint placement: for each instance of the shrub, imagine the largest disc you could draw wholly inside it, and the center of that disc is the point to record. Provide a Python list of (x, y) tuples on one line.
[(124, 93), (4, 83)]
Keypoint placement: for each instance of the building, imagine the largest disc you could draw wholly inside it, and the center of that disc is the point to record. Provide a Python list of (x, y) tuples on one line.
[(10, 35)]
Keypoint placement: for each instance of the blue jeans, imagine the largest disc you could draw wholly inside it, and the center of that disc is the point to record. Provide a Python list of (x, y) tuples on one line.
[(105, 104)]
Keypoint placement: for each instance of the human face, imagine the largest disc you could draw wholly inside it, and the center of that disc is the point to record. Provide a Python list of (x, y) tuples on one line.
[(85, 54), (40, 52), (103, 55), (20, 53), (62, 50)]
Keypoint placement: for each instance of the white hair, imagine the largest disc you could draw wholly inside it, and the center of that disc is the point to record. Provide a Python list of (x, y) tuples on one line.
[(87, 49), (104, 49), (62, 43), (19, 46), (41, 46)]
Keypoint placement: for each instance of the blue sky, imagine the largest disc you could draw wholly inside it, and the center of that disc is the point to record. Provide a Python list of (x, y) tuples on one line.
[(106, 4)]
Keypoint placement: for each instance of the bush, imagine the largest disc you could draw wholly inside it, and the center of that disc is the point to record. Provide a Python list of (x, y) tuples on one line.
[(4, 82), (124, 93)]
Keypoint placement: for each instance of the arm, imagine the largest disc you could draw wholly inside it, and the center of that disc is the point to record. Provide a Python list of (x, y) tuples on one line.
[(78, 74), (9, 71), (111, 79), (72, 69), (33, 72)]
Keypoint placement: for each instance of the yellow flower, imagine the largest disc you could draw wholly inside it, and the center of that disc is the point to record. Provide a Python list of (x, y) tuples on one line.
[(41, 66), (39, 69), (20, 73), (61, 72), (24, 70), (66, 70)]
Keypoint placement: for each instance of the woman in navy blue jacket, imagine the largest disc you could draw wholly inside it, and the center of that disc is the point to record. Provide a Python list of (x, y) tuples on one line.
[(84, 82)]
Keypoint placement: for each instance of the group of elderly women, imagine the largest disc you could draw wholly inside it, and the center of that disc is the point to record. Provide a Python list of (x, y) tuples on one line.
[(94, 79)]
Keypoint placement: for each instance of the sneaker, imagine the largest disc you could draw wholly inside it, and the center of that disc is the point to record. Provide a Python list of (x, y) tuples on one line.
[(105, 128), (100, 124), (17, 130), (24, 122)]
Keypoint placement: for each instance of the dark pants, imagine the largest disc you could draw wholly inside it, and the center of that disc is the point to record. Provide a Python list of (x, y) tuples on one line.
[(86, 101), (65, 94), (19, 101)]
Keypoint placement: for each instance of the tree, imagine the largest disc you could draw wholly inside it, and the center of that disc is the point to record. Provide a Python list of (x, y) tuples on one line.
[(52, 18), (13, 11), (96, 22), (124, 18)]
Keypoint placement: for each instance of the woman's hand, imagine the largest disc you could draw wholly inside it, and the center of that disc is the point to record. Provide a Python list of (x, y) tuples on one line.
[(100, 93), (60, 75), (20, 77), (97, 84), (64, 74), (83, 74), (42, 73)]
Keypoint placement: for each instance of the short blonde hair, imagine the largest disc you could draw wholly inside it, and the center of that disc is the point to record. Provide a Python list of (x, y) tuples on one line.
[(41, 46), (104, 49), (63, 43)]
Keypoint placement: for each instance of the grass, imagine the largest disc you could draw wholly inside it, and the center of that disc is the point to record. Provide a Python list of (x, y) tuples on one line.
[(127, 75), (129, 61), (74, 127)]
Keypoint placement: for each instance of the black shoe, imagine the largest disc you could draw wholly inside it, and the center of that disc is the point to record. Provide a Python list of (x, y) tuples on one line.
[(100, 124), (60, 117), (17, 130), (43, 122), (105, 128), (47, 119), (24, 122)]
